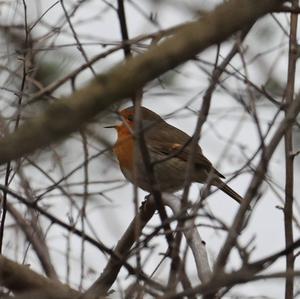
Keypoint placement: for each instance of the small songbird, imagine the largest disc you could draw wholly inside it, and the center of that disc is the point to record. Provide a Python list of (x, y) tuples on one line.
[(169, 150)]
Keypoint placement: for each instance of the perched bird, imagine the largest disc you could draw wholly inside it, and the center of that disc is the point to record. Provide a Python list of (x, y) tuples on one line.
[(169, 149)]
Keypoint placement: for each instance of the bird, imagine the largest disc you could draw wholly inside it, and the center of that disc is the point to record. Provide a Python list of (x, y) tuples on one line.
[(169, 149)]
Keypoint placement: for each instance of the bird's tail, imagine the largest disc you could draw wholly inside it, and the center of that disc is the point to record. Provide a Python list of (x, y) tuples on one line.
[(225, 188)]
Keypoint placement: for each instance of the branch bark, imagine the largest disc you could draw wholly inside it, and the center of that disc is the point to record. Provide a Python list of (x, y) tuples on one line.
[(35, 238), (102, 285), (192, 237), (19, 279), (289, 158), (256, 182), (245, 274), (122, 81)]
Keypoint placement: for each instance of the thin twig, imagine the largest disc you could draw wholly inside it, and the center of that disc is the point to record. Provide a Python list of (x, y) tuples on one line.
[(257, 180), (80, 48), (289, 159)]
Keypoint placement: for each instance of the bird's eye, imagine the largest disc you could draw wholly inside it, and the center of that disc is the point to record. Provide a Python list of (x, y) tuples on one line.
[(130, 117)]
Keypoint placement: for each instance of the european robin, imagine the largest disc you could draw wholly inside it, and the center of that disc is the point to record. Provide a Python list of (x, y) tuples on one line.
[(168, 148)]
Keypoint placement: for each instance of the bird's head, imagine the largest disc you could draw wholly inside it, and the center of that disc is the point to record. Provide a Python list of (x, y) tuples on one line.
[(148, 119)]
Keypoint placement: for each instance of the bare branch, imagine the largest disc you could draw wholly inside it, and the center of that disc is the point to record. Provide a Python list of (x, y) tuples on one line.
[(192, 237), (124, 80), (257, 180), (289, 159), (19, 278), (34, 238), (245, 274), (107, 278)]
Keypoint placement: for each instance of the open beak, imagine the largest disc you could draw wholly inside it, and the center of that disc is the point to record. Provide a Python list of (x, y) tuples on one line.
[(111, 127), (115, 126)]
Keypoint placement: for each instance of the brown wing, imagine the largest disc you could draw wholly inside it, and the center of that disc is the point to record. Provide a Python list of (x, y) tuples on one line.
[(176, 143)]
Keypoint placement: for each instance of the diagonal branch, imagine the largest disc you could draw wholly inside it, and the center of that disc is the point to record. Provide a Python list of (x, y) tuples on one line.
[(192, 237), (102, 285), (19, 278), (34, 236), (257, 180), (245, 274), (122, 81)]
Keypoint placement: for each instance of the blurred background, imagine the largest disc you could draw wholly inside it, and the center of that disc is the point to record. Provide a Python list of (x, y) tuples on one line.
[(48, 43)]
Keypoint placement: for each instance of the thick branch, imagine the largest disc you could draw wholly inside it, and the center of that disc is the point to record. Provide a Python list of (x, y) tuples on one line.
[(102, 285), (68, 115), (19, 279), (79, 233), (192, 237)]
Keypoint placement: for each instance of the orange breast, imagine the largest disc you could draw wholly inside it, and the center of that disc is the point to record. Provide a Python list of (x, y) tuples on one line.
[(124, 147)]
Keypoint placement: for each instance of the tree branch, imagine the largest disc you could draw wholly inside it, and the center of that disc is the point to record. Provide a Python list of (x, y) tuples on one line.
[(257, 180), (192, 237), (289, 159), (34, 237), (122, 81), (102, 285), (19, 279)]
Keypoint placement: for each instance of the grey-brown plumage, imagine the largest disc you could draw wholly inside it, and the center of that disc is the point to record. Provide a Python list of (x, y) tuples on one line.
[(169, 149)]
